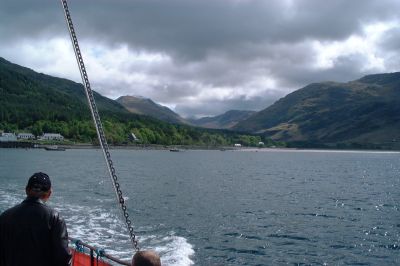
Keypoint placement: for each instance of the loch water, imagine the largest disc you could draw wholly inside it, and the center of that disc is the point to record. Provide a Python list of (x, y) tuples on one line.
[(257, 207)]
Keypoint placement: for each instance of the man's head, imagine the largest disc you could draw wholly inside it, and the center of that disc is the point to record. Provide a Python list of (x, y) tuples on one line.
[(39, 186), (146, 258)]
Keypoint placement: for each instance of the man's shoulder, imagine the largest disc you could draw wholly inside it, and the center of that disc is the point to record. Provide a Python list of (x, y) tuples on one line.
[(25, 205), (49, 210), (30, 207), (38, 204), (54, 215), (9, 211)]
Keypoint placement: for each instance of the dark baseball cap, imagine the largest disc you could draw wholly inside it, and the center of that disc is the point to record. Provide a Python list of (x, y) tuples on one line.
[(39, 182)]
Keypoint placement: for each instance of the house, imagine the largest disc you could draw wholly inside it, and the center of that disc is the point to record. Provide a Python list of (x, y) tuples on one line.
[(237, 145), (25, 136), (261, 143), (8, 137), (52, 136)]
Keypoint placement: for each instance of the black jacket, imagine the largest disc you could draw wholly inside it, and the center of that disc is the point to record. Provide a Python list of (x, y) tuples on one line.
[(32, 233)]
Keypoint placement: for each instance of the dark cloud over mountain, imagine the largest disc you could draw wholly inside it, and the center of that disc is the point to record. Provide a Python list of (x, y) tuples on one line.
[(213, 54)]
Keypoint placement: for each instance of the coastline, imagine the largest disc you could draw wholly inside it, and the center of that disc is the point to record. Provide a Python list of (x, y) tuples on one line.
[(30, 145)]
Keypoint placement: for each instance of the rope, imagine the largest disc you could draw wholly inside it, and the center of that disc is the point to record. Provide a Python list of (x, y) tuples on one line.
[(98, 125)]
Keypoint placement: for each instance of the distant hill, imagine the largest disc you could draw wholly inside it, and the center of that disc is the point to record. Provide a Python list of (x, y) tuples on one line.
[(226, 120), (38, 103), (144, 106), (360, 112), (28, 95)]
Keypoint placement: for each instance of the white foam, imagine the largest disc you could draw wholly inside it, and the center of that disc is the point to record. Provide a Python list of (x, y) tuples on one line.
[(9, 199), (97, 227), (104, 229), (176, 251)]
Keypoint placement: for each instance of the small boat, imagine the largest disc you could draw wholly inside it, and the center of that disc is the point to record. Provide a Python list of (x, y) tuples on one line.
[(174, 150), (54, 148)]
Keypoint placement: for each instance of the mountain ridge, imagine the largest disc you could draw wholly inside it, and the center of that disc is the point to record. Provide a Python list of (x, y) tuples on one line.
[(366, 110), (146, 106), (226, 120), (37, 103), (360, 113)]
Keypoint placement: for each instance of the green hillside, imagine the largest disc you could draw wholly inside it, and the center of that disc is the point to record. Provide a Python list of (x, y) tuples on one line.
[(38, 103), (28, 96), (361, 113)]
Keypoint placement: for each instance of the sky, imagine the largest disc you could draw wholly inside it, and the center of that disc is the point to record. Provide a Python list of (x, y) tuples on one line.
[(205, 57)]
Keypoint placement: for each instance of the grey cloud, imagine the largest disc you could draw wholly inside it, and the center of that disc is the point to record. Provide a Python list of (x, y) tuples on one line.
[(30, 19), (391, 40), (211, 43), (173, 93), (390, 49), (249, 61), (346, 68), (189, 30)]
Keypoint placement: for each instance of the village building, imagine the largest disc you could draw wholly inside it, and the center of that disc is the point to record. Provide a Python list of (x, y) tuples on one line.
[(7, 137), (25, 136), (52, 136)]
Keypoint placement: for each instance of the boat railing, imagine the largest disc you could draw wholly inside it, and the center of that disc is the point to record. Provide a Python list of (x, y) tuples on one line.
[(93, 250)]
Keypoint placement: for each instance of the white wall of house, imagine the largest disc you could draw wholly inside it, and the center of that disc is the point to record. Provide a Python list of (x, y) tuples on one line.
[(7, 137), (52, 136), (25, 136)]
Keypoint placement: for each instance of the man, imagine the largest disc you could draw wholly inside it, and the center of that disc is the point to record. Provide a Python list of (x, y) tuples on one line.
[(32, 233), (146, 258)]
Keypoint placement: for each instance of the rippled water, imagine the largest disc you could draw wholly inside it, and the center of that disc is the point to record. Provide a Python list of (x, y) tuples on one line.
[(226, 208)]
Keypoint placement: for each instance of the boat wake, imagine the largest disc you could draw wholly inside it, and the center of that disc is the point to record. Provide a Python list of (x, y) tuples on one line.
[(97, 226)]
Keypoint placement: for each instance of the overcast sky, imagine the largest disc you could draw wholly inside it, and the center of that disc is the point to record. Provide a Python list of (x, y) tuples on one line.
[(205, 57)]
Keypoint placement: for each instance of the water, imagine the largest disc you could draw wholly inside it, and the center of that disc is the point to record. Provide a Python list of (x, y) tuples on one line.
[(226, 208)]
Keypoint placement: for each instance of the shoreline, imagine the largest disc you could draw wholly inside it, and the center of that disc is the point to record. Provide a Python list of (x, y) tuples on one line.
[(144, 147)]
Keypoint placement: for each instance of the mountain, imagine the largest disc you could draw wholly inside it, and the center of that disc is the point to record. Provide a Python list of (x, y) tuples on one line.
[(360, 112), (144, 106), (226, 120), (38, 103), (27, 94)]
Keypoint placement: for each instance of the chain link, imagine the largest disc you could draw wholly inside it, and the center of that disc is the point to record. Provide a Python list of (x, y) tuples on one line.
[(98, 125)]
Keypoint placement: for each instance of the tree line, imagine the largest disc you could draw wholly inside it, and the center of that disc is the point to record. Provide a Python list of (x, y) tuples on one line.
[(117, 133), (38, 103)]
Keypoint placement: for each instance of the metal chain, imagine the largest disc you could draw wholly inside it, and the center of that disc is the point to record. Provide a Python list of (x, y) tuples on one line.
[(98, 125)]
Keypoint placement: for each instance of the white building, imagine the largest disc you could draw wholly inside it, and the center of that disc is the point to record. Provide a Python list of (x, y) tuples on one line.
[(52, 136), (25, 136), (7, 137), (261, 143), (237, 145)]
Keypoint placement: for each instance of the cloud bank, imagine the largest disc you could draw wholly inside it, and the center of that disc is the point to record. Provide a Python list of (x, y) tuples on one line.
[(205, 57)]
